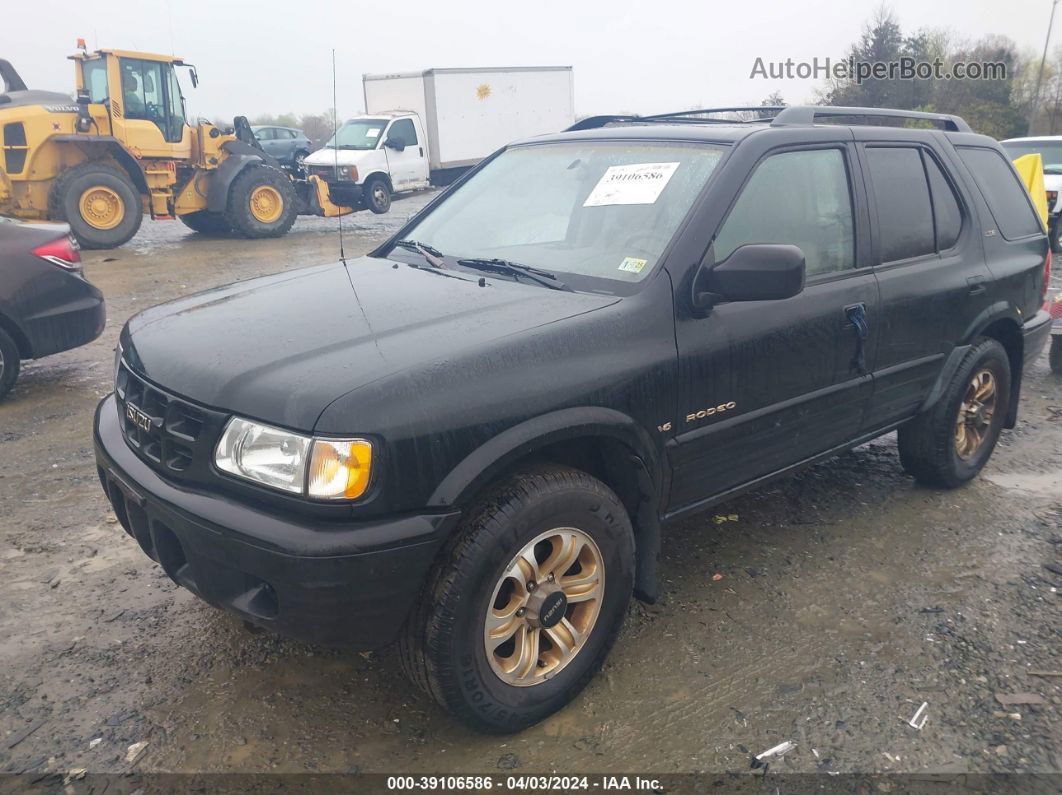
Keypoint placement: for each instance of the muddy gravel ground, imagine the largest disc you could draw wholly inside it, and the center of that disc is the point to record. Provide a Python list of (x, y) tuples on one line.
[(848, 596)]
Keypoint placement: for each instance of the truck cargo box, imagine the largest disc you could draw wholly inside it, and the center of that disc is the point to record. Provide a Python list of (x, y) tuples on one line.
[(468, 113)]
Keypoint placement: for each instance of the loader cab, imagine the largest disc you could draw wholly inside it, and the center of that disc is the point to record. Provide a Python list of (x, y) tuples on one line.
[(142, 98)]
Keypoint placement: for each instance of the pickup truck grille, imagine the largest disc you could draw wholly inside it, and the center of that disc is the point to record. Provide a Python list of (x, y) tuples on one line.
[(172, 435)]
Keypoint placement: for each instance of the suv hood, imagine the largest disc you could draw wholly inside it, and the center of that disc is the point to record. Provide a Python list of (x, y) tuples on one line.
[(281, 348)]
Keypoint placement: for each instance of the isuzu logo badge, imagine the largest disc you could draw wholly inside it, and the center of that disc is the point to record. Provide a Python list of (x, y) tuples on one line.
[(137, 417)]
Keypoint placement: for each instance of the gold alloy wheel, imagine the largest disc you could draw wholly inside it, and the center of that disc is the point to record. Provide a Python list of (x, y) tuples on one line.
[(544, 607), (267, 205), (975, 414), (101, 207)]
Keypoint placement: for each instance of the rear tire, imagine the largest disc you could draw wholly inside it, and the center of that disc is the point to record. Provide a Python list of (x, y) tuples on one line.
[(9, 363), (206, 223), (933, 448), (377, 195), (99, 201), (444, 646), (261, 202), (1054, 356)]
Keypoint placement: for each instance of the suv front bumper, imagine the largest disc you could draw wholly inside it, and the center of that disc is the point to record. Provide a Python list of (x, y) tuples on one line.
[(349, 584)]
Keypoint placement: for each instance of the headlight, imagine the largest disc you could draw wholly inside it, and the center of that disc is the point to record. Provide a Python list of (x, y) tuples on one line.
[(337, 468)]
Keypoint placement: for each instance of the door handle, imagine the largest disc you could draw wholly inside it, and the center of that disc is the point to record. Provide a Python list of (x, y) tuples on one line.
[(857, 320), (976, 285)]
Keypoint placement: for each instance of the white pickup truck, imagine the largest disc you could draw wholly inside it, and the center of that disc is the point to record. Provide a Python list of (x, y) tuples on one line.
[(447, 121)]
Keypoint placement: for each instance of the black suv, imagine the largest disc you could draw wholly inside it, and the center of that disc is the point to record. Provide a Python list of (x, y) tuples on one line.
[(470, 440)]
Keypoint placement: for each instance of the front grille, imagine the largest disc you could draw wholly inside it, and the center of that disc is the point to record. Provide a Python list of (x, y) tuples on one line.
[(171, 434)]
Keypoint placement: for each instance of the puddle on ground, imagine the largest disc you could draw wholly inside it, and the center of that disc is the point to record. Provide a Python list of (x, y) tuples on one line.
[(1046, 484)]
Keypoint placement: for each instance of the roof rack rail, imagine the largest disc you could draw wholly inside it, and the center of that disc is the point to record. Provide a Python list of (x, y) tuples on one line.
[(777, 116), (594, 122), (772, 110), (806, 115)]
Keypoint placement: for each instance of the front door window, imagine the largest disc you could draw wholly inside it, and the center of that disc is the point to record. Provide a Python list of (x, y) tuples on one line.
[(150, 92)]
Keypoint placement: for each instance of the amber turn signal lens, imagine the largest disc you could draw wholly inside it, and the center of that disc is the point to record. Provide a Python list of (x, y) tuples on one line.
[(340, 468)]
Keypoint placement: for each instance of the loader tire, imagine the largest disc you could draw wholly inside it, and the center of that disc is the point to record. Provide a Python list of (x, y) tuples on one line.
[(262, 202), (99, 201), (206, 223)]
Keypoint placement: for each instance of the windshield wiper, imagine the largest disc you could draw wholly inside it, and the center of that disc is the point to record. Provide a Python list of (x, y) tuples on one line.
[(432, 255), (516, 270)]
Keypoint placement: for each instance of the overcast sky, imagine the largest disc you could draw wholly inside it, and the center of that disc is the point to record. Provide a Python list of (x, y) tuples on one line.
[(274, 56)]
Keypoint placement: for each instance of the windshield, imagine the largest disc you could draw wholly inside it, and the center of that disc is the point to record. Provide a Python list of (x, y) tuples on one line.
[(1050, 151), (359, 134), (596, 209)]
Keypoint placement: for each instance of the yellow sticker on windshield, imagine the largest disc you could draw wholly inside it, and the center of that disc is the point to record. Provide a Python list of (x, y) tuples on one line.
[(633, 264)]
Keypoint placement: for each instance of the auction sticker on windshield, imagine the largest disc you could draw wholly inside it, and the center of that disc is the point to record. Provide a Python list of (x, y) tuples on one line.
[(636, 183), (633, 264)]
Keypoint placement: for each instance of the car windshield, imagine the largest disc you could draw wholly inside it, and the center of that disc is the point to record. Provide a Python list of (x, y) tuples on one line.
[(593, 209), (1050, 151), (358, 134)]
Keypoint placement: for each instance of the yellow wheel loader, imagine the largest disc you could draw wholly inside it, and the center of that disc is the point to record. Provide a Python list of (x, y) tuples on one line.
[(124, 148)]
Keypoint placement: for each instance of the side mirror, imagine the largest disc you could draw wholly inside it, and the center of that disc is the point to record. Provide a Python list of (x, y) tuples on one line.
[(754, 272), (395, 142)]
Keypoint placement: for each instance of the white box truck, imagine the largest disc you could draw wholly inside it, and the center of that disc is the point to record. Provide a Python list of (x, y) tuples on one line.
[(427, 127)]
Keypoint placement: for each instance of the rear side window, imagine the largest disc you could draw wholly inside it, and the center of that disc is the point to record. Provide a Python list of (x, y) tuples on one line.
[(799, 198), (946, 210), (1003, 192), (905, 213)]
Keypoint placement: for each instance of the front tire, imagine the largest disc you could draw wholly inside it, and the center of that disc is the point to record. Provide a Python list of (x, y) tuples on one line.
[(949, 444), (377, 195), (100, 203), (552, 542), (9, 363), (261, 202)]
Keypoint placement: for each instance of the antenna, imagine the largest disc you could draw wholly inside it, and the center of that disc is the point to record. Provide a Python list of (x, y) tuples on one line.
[(335, 150)]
